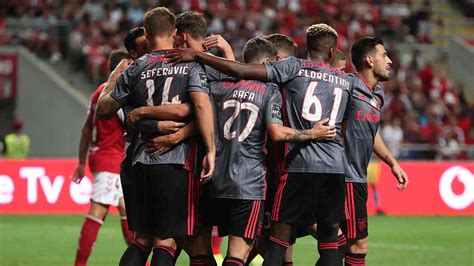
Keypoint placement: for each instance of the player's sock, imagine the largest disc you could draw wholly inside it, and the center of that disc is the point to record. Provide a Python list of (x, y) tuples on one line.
[(177, 253), (162, 256), (353, 259), (202, 260), (87, 238), (135, 254), (232, 261), (328, 245), (341, 245), (287, 263), (275, 251), (127, 234)]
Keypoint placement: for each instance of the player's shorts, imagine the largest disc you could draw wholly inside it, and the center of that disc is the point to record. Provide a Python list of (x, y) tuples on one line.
[(164, 200), (355, 225), (107, 188), (241, 218), (303, 198)]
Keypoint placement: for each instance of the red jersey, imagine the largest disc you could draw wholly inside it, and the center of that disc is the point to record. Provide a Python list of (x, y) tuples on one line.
[(107, 148)]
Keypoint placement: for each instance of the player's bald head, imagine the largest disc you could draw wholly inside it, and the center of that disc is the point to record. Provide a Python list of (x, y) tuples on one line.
[(321, 39), (285, 45), (257, 50)]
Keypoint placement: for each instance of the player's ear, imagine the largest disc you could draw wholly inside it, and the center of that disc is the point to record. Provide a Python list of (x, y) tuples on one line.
[(332, 54), (369, 59)]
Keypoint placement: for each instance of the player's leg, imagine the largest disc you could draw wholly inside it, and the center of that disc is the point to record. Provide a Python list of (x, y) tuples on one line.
[(356, 223), (127, 234), (330, 210), (288, 209), (139, 202), (243, 226), (90, 228), (288, 259)]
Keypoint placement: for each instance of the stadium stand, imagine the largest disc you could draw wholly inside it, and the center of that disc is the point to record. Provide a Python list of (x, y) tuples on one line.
[(430, 111)]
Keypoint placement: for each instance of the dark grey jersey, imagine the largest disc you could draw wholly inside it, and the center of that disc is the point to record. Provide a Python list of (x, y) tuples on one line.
[(363, 117), (151, 81), (244, 108), (311, 92)]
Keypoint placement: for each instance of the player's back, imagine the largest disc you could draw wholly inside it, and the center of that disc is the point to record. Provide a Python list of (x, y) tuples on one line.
[(107, 148), (151, 81), (243, 110), (312, 91)]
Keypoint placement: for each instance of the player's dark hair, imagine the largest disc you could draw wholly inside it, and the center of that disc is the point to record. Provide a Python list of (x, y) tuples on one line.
[(130, 40), (159, 22), (321, 38), (361, 48), (257, 48), (283, 43), (192, 23), (115, 57)]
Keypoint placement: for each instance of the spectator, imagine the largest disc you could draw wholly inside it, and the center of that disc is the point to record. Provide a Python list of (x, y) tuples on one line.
[(392, 133), (16, 145)]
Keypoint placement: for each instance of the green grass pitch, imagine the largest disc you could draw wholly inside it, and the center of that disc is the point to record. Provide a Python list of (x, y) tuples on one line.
[(52, 240)]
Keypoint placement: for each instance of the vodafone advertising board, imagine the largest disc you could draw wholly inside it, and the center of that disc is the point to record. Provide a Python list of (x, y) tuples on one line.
[(35, 186)]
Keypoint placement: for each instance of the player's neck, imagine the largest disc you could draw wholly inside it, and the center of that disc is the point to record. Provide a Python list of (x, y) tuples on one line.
[(315, 56), (197, 45), (369, 78), (161, 43)]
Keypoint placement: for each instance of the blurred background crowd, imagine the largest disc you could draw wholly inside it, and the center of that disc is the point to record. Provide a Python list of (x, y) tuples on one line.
[(427, 113)]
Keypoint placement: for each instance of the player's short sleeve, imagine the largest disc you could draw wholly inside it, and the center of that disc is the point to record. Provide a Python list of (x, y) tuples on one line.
[(283, 70), (273, 110), (197, 79), (121, 91), (147, 126), (213, 74)]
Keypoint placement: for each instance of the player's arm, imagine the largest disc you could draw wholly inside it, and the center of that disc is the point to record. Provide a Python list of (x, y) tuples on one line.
[(229, 67), (217, 41), (86, 139), (107, 106), (153, 126), (204, 118), (163, 143), (319, 132), (385, 155), (173, 112)]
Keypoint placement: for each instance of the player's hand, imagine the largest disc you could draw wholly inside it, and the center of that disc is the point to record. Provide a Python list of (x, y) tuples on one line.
[(401, 176), (168, 127), (78, 174), (160, 144), (133, 117), (208, 166), (217, 41), (180, 55), (320, 132)]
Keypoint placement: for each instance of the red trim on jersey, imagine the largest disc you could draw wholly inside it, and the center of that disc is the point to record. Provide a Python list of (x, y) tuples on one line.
[(363, 81), (234, 261), (278, 197)]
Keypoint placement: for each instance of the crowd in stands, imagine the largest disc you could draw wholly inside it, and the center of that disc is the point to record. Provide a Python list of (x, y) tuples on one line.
[(423, 104)]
